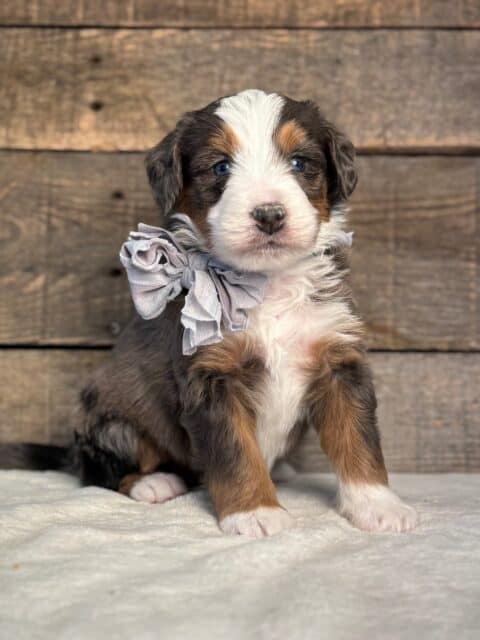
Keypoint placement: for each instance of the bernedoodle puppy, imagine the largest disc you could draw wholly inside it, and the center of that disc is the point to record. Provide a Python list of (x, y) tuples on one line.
[(248, 335)]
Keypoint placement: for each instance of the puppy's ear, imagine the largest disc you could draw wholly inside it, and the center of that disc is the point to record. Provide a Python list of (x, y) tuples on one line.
[(164, 170), (341, 172)]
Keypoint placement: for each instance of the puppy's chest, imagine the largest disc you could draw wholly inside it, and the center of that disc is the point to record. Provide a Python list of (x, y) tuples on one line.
[(285, 327)]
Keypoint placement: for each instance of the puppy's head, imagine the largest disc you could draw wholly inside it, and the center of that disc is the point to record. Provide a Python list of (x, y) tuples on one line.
[(257, 173)]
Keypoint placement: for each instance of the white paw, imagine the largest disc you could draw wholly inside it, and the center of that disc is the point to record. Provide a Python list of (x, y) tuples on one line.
[(264, 521), (282, 472), (376, 508), (158, 487)]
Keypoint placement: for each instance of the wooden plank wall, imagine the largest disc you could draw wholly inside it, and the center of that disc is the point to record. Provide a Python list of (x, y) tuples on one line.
[(86, 87)]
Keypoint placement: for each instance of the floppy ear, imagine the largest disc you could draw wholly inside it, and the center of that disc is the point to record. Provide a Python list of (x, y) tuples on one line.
[(341, 172), (164, 170)]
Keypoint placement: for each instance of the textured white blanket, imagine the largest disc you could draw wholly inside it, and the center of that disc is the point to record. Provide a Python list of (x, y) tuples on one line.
[(88, 563)]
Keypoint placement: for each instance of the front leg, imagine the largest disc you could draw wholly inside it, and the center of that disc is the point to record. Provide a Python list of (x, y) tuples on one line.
[(220, 419), (342, 409)]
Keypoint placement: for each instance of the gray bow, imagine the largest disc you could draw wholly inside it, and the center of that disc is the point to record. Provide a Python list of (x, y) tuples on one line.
[(159, 268)]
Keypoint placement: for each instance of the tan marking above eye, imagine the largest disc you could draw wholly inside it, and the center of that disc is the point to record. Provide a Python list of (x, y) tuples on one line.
[(290, 136), (225, 141)]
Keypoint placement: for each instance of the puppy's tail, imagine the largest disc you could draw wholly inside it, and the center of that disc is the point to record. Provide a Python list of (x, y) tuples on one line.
[(35, 457)]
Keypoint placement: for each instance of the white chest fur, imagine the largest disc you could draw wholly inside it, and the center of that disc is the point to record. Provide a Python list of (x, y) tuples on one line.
[(285, 326)]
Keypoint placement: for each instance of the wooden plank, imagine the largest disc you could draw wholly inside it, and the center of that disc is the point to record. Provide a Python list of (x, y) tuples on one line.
[(64, 216), (123, 89), (415, 261), (40, 390), (244, 13), (429, 407)]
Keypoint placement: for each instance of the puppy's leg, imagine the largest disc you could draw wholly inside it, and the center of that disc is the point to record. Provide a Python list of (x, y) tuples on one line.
[(150, 483), (113, 454), (220, 420), (343, 410)]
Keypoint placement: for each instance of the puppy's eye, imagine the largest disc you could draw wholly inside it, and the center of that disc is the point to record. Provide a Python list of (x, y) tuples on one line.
[(298, 163), (222, 168)]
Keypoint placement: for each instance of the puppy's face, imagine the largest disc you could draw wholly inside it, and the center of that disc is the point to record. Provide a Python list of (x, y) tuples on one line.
[(258, 174)]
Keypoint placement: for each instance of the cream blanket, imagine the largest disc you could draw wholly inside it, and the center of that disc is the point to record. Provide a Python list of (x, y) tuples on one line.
[(88, 563)]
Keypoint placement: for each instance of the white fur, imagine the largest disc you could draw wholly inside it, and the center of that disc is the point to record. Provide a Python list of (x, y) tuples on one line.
[(264, 521), (286, 325), (259, 174), (158, 487), (288, 322), (375, 508)]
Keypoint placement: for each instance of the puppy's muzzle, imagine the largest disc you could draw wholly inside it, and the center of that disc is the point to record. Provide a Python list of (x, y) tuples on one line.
[(270, 217)]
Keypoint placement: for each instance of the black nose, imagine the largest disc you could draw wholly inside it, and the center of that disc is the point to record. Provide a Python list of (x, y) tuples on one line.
[(269, 217)]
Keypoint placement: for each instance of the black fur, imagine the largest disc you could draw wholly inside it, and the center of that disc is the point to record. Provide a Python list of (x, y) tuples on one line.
[(100, 466), (174, 163), (336, 154), (164, 170), (36, 457), (206, 417), (89, 397)]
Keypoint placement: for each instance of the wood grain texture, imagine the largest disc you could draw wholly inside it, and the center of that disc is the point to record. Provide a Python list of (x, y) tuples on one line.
[(429, 407), (122, 89), (243, 13), (416, 254), (64, 218), (415, 262), (39, 391)]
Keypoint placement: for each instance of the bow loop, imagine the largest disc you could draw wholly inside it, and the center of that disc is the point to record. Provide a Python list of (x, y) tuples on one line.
[(154, 263), (159, 268)]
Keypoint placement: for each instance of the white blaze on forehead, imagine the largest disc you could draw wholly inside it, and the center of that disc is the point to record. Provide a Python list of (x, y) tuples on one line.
[(253, 116), (259, 174)]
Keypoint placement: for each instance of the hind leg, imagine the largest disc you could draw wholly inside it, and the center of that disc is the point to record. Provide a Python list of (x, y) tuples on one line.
[(153, 487), (114, 455)]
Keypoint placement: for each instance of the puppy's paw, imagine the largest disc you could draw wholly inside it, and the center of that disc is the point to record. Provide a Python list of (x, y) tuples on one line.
[(158, 487), (376, 508), (264, 521)]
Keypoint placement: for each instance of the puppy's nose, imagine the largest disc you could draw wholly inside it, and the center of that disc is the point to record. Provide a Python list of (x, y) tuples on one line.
[(269, 217)]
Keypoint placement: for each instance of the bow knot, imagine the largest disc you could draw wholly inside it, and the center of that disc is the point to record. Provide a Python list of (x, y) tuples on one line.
[(159, 268)]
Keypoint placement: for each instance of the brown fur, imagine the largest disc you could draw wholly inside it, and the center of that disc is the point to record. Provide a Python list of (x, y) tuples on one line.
[(128, 482), (292, 139), (342, 408), (321, 204), (290, 136), (149, 459), (248, 485), (228, 375), (224, 141), (197, 214)]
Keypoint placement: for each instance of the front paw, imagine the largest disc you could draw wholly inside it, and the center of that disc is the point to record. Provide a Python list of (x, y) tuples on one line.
[(263, 521), (375, 508)]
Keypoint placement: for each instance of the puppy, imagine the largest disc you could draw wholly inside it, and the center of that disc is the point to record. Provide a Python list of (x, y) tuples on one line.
[(262, 181)]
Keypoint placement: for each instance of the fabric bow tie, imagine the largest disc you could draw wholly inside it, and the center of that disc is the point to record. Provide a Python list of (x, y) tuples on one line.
[(159, 268)]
